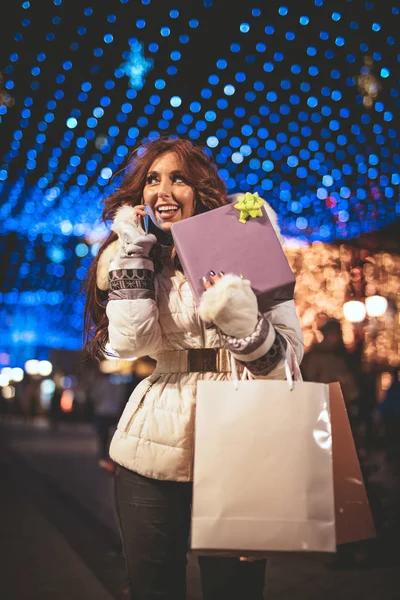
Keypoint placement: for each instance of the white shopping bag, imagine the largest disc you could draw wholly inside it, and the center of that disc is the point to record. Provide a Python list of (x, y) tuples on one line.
[(263, 476)]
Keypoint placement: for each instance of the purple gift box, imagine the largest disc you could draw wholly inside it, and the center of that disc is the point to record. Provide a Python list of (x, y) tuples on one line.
[(217, 241)]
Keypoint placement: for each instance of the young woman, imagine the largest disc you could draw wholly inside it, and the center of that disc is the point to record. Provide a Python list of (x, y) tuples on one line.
[(150, 311)]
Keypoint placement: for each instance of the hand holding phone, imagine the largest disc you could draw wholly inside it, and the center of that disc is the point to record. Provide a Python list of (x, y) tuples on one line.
[(152, 226)]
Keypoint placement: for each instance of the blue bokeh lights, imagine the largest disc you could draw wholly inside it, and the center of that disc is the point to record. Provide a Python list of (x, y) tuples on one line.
[(282, 112)]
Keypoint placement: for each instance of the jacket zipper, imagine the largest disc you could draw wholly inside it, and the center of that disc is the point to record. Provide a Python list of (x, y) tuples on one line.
[(139, 406)]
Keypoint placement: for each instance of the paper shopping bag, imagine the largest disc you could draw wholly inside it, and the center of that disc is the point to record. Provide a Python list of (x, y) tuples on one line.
[(353, 515), (263, 468)]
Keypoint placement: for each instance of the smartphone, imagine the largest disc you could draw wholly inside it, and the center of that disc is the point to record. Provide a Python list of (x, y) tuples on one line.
[(163, 237)]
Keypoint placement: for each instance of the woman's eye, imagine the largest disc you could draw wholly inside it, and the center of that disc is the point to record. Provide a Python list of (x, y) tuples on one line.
[(150, 179), (178, 179)]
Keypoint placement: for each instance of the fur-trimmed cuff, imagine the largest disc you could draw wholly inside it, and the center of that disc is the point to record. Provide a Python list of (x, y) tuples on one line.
[(255, 345)]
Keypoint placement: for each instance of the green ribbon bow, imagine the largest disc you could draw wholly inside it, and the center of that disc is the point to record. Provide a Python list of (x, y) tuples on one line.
[(250, 206)]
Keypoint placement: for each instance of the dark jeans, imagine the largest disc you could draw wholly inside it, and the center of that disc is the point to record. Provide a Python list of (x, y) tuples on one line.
[(154, 521)]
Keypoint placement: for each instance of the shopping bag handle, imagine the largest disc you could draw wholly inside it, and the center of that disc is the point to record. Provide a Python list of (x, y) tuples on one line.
[(291, 364)]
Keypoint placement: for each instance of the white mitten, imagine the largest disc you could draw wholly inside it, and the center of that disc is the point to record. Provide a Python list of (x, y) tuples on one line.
[(133, 240), (231, 305), (131, 250)]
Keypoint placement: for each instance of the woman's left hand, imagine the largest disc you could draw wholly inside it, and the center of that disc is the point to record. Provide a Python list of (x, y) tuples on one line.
[(229, 303)]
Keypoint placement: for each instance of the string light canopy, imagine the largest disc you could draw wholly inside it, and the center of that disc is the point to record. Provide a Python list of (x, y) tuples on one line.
[(296, 101)]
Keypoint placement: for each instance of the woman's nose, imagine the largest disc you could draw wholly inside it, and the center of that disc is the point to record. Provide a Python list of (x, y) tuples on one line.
[(164, 188)]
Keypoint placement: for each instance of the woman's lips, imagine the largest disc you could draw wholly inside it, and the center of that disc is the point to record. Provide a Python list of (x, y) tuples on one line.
[(165, 214)]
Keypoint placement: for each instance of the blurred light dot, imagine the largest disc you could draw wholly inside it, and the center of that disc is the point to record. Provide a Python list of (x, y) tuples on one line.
[(195, 107), (237, 158), (212, 141), (71, 123), (385, 72), (98, 112), (106, 173), (244, 27), (81, 250), (193, 23), (175, 101), (229, 90)]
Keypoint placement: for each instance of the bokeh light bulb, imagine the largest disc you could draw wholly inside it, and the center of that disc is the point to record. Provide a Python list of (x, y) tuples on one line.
[(32, 367), (45, 368), (376, 306), (354, 311), (17, 374)]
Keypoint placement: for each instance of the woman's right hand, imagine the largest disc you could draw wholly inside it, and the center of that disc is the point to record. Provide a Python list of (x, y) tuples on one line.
[(133, 239), (140, 211)]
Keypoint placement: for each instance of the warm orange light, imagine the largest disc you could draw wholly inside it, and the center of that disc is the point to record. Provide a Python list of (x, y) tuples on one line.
[(67, 400)]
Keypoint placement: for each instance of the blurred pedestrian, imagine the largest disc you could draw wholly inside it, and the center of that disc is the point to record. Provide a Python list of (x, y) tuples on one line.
[(30, 398), (389, 411), (55, 402), (106, 398), (328, 361)]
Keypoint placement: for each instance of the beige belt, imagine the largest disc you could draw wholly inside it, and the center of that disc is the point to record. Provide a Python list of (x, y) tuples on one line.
[(211, 360)]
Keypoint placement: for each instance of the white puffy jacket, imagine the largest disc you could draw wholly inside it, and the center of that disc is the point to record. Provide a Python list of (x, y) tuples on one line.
[(155, 434)]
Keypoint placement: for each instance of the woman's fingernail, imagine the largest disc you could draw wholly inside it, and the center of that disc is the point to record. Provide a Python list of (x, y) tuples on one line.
[(221, 273), (204, 279), (212, 273)]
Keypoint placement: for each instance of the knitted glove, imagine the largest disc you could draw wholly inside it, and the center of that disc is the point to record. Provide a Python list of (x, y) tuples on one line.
[(133, 240), (231, 305), (130, 251)]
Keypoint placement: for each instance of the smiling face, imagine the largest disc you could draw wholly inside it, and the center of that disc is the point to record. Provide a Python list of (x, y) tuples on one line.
[(166, 192)]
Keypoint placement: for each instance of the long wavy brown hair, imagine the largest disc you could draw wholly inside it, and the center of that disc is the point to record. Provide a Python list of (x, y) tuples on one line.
[(200, 174)]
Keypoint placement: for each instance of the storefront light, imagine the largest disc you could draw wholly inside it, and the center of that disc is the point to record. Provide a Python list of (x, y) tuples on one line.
[(17, 374), (376, 306), (45, 368), (32, 367), (354, 311)]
